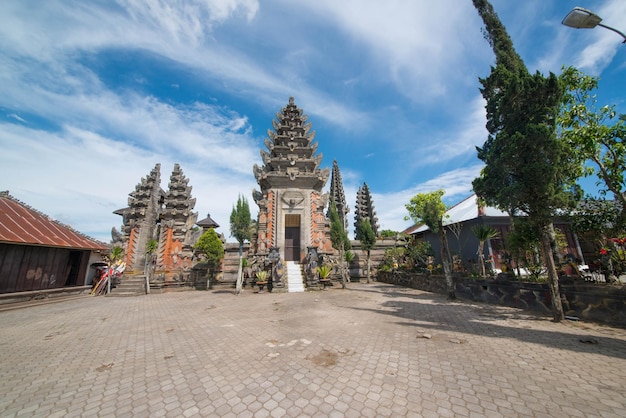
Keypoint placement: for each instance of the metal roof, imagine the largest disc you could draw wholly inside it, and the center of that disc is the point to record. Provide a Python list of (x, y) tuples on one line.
[(21, 224), (463, 211)]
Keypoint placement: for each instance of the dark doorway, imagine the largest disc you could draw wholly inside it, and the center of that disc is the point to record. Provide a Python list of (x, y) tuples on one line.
[(292, 238), (74, 267)]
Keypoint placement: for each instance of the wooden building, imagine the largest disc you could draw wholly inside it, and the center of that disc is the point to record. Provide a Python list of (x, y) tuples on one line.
[(463, 244), (37, 252)]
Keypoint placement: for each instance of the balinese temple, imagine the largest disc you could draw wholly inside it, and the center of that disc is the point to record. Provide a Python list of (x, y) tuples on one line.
[(338, 196), (291, 203), (167, 217), (175, 250), (140, 219), (364, 210)]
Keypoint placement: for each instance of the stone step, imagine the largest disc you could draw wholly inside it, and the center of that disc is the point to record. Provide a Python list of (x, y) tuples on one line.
[(295, 281), (134, 285)]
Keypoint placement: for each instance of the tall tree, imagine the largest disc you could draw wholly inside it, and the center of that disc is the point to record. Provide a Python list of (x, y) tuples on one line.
[(428, 208), (528, 171), (240, 222), (338, 196), (211, 246), (339, 239), (367, 237), (595, 134)]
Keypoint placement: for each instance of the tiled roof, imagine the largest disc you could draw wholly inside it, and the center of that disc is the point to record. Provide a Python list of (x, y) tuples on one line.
[(208, 222), (21, 224)]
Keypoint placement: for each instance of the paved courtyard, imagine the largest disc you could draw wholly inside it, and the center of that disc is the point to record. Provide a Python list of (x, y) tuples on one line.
[(368, 351)]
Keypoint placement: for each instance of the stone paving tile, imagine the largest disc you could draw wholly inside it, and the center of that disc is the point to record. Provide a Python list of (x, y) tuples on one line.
[(368, 351)]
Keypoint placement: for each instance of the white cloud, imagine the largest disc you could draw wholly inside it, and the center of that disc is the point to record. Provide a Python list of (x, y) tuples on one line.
[(416, 46), (17, 117), (457, 185), (401, 85), (82, 176), (593, 50), (457, 140)]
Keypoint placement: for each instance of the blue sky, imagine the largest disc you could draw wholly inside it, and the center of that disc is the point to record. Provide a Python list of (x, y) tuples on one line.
[(94, 93)]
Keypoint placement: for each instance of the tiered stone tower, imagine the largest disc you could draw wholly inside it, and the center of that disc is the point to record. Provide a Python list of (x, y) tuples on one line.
[(364, 210), (167, 218), (140, 218), (338, 196), (291, 203), (177, 219)]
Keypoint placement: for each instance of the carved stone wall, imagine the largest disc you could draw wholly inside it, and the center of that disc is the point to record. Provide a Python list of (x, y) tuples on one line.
[(140, 218), (593, 302), (168, 218), (175, 252)]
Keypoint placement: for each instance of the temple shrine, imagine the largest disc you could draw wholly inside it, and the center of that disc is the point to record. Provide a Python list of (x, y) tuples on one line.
[(291, 203), (157, 232)]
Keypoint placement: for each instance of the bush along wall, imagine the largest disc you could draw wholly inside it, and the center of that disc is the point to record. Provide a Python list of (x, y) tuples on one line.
[(602, 303)]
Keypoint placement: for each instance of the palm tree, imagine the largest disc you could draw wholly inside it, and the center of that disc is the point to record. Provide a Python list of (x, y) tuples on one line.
[(483, 233)]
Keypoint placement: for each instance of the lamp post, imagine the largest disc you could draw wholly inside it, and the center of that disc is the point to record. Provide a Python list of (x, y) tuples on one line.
[(580, 18)]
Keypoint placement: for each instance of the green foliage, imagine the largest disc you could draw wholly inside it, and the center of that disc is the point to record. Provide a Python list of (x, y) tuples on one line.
[(417, 252), (388, 234), (483, 233), (261, 276), (412, 256), (348, 256), (340, 241), (499, 40), (595, 134), (430, 209), (152, 246), (367, 238), (618, 255), (211, 246), (598, 216), (240, 221), (524, 243), (427, 208), (115, 256), (527, 168), (366, 235), (393, 258), (324, 271), (338, 235)]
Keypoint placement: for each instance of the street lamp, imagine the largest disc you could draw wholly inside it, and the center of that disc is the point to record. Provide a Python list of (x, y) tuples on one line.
[(580, 18)]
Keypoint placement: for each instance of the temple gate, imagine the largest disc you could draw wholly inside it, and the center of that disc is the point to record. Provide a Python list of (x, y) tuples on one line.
[(291, 202)]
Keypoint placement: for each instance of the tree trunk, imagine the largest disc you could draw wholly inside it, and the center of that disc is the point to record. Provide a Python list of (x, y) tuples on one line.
[(342, 262), (239, 286), (548, 255), (445, 261), (481, 257), (368, 266)]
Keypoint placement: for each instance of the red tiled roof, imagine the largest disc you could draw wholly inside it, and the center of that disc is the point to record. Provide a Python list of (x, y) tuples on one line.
[(21, 224)]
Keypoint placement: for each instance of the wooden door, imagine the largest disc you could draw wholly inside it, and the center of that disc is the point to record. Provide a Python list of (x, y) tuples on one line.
[(292, 238)]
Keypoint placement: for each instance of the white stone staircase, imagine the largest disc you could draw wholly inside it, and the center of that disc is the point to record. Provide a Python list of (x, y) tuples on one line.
[(295, 281)]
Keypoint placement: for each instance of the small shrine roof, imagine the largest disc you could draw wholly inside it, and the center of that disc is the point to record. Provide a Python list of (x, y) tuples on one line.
[(208, 222)]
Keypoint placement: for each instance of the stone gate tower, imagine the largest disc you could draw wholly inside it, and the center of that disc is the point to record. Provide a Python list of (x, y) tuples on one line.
[(291, 203)]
